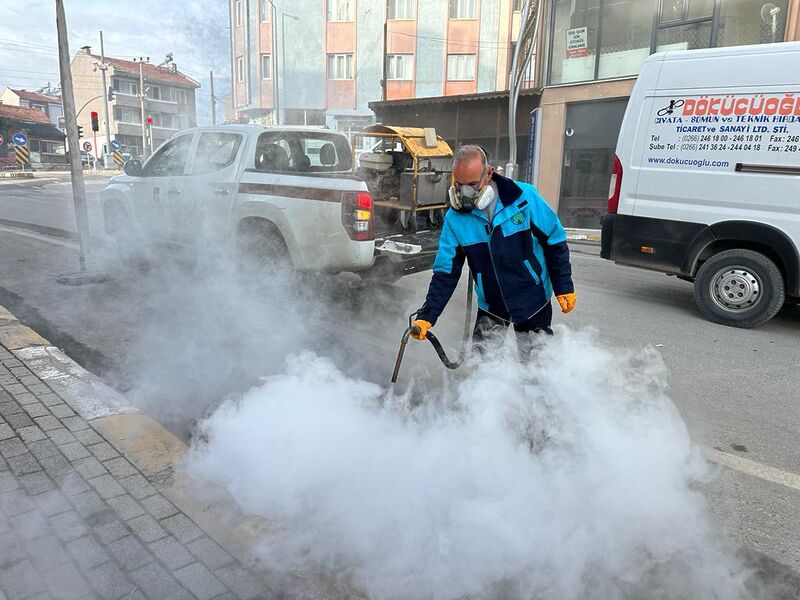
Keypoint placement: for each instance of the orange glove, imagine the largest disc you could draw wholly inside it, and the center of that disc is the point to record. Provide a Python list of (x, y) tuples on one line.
[(422, 326), (567, 302)]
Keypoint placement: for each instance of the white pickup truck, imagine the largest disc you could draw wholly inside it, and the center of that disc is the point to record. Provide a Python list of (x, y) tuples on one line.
[(278, 193)]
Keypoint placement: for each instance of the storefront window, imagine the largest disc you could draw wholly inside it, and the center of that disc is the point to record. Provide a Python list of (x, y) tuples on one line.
[(684, 37), (625, 37), (575, 31), (745, 22)]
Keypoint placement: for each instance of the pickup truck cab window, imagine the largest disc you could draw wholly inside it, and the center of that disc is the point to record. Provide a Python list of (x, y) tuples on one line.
[(303, 151), (171, 159), (215, 151)]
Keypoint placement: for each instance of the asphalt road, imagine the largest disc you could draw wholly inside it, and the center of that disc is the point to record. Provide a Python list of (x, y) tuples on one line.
[(179, 338)]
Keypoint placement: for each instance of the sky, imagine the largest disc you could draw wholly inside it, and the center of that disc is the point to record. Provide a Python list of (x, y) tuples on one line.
[(196, 32)]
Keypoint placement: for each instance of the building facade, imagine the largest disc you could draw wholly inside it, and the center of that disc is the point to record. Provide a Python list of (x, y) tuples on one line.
[(169, 101), (49, 105), (45, 142), (591, 54), (322, 63)]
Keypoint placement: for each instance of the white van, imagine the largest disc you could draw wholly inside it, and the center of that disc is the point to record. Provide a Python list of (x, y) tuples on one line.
[(706, 181)]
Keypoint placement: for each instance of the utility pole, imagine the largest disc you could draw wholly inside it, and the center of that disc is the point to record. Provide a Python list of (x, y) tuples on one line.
[(76, 168), (213, 100), (142, 96), (384, 84), (276, 95), (104, 67)]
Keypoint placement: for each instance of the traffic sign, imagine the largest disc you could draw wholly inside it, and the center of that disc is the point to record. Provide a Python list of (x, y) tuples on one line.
[(116, 144), (2, 139), (117, 155), (23, 155), (87, 146), (19, 139)]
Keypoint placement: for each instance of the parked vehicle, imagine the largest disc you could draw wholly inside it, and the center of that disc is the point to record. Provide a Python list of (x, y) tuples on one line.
[(278, 193), (706, 179)]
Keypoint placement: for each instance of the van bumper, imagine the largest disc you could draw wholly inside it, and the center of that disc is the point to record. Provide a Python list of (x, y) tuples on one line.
[(607, 235)]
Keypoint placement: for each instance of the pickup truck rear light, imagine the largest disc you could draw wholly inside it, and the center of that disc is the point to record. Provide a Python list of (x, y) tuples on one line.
[(614, 186), (357, 216)]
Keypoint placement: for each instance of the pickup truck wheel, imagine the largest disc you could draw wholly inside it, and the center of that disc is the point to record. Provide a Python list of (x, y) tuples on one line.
[(740, 288), (261, 246)]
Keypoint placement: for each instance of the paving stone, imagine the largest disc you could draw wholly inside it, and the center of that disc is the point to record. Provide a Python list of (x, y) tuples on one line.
[(137, 486), (6, 432), (8, 482), (29, 380), (183, 594), (56, 466), (120, 468), (16, 388), (74, 423), (36, 409), (88, 503), (15, 502), (111, 531), (49, 399), (48, 423), (36, 483), (19, 420), (72, 484), (21, 580), (88, 437), (155, 582), (20, 371), (29, 525), (24, 464), (40, 388), (182, 528), (170, 552), (109, 581), (200, 581), (43, 449), (52, 503), (241, 582), (26, 399), (125, 506), (3, 465), (130, 553), (31, 434), (61, 436), (106, 486), (13, 550), (209, 553), (103, 451), (12, 447), (47, 552), (10, 408), (12, 362), (68, 526), (74, 451), (89, 467), (87, 552), (146, 528), (66, 583), (61, 411), (158, 506)]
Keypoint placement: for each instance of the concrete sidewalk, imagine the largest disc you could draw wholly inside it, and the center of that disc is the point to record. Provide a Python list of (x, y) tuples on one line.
[(89, 506)]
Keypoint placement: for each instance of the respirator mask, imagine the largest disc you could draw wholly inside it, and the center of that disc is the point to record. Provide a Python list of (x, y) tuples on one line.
[(467, 197)]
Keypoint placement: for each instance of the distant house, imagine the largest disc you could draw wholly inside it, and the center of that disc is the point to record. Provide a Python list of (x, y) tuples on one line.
[(45, 141), (49, 105)]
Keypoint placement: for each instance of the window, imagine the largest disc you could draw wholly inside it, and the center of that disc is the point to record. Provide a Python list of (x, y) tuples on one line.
[(265, 9), (460, 67), (400, 66), (180, 96), (238, 10), (266, 66), (401, 9), (625, 38), (575, 29), (153, 92), (215, 151), (240, 69), (463, 9), (126, 114), (311, 152), (170, 158), (340, 66), (340, 10), (125, 86), (744, 22)]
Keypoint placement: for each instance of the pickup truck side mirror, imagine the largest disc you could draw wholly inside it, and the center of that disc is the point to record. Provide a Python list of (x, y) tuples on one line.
[(133, 167)]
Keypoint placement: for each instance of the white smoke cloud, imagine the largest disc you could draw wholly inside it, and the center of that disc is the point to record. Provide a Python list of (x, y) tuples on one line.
[(567, 478)]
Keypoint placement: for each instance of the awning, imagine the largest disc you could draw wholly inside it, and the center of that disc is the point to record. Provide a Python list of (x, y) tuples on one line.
[(378, 104), (414, 140), (39, 130)]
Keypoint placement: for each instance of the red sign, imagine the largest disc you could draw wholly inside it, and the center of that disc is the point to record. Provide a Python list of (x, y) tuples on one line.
[(87, 146), (577, 42)]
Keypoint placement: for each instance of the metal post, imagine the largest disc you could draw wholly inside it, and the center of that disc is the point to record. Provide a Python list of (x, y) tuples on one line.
[(76, 168), (104, 68), (213, 104), (145, 152), (276, 118), (384, 84)]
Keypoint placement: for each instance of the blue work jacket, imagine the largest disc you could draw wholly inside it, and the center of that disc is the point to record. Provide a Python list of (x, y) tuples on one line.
[(517, 261)]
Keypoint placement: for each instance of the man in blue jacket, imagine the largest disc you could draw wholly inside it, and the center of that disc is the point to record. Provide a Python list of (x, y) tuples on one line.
[(516, 249)]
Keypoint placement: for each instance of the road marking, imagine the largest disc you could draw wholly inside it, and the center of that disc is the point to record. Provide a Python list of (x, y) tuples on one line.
[(753, 468), (39, 237)]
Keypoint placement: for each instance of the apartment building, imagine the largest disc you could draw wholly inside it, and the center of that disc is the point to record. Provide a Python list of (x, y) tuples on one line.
[(169, 100), (323, 62), (50, 105)]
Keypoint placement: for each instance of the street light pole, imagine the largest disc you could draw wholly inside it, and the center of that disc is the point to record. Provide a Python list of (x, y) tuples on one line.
[(103, 68), (142, 96), (213, 104)]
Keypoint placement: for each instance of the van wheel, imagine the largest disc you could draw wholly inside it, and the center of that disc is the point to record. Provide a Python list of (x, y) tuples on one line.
[(740, 288)]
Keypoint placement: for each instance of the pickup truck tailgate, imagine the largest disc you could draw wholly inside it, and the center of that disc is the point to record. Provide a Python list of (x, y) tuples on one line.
[(406, 253)]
